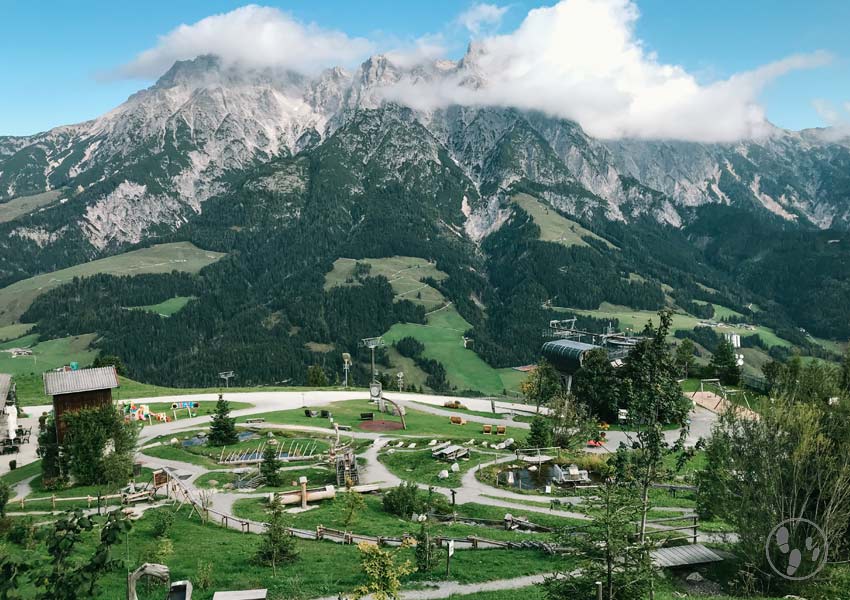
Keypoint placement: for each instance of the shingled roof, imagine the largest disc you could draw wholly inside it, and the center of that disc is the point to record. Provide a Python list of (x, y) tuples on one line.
[(57, 383)]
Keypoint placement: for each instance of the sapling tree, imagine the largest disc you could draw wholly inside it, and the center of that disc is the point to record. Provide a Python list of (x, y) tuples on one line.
[(270, 466), (383, 573)]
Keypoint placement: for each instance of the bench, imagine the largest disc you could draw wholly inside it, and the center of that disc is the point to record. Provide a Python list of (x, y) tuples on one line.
[(487, 429), (454, 420), (344, 427), (256, 420), (326, 414), (367, 416), (11, 450), (501, 429), (311, 414)]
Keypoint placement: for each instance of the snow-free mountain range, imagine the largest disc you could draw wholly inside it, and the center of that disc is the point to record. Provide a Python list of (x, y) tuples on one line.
[(153, 161)]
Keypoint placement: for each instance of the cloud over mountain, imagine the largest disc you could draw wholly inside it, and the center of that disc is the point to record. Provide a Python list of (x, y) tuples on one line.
[(579, 60)]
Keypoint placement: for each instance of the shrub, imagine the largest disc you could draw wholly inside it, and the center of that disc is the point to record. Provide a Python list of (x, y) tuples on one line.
[(163, 520), (403, 500)]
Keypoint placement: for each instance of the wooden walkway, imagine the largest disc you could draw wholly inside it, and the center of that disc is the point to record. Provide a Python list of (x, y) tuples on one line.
[(678, 556)]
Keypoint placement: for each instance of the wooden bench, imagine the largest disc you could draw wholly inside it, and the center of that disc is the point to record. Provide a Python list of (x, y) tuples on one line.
[(501, 430), (455, 420), (487, 429), (367, 416), (311, 414), (256, 420), (344, 427)]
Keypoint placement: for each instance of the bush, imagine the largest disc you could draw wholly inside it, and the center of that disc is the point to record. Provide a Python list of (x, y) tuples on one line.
[(22, 533), (5, 494), (403, 500), (117, 469), (163, 520)]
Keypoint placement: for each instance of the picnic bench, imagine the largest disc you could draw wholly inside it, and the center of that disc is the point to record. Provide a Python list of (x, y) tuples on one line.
[(501, 430), (326, 414), (487, 429), (311, 414), (455, 420), (344, 427), (256, 420), (367, 416)]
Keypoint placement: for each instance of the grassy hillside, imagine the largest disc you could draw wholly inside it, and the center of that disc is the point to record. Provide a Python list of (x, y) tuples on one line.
[(443, 339), (405, 274), (46, 355), (554, 227), (636, 319), (164, 258), (24, 205)]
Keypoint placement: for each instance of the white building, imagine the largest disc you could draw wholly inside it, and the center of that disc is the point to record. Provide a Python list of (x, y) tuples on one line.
[(8, 410)]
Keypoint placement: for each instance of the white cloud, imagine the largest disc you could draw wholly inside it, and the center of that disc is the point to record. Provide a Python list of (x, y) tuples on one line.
[(837, 119), (482, 16), (581, 60), (253, 36)]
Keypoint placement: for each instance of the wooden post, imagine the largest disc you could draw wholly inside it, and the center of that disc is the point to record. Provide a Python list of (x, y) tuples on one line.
[(695, 528), (53, 501), (598, 590), (303, 482)]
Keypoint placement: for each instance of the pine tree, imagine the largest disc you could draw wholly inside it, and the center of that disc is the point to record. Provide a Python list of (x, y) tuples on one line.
[(724, 363), (222, 427), (540, 433), (316, 376), (277, 545), (270, 467)]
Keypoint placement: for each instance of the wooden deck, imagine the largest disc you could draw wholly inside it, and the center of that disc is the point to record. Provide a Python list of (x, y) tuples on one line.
[(678, 556)]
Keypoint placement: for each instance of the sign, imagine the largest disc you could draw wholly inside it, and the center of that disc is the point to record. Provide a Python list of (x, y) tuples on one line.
[(160, 478), (451, 547)]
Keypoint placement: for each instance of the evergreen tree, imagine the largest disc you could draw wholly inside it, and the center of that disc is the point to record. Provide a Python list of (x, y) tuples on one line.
[(725, 365), (277, 545), (5, 494), (222, 427), (270, 467), (316, 376), (540, 433), (426, 550)]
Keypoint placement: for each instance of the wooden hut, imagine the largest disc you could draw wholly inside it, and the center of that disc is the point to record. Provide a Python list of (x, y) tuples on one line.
[(73, 390)]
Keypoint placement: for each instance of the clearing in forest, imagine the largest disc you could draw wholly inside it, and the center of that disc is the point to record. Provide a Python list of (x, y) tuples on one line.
[(553, 226)]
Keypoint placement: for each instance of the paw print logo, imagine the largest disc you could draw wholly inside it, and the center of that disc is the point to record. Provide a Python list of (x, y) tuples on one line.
[(796, 549)]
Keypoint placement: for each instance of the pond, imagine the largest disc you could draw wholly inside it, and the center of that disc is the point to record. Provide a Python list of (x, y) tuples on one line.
[(201, 440), (537, 477)]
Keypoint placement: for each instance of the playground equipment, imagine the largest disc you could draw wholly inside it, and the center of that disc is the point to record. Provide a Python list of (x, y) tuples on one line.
[(298, 450), (303, 496), (346, 467), (142, 412), (179, 590)]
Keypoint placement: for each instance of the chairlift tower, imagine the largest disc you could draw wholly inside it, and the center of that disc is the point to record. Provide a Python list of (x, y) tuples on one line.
[(226, 375), (372, 343)]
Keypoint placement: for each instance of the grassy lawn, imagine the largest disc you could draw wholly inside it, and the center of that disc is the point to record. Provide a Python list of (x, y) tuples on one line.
[(21, 473), (373, 520), (163, 258), (405, 274), (418, 423), (47, 355), (442, 336), (553, 226), (166, 308), (12, 332), (321, 569), (419, 466)]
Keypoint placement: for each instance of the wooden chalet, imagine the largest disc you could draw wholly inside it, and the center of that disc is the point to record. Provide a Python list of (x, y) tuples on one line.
[(73, 390)]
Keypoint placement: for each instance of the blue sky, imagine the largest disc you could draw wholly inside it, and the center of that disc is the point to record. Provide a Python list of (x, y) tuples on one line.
[(55, 59)]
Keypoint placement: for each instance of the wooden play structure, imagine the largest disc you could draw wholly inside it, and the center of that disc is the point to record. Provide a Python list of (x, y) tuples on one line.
[(298, 450)]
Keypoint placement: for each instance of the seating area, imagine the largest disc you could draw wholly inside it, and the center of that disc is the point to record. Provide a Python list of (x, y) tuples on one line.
[(488, 429), (456, 420)]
